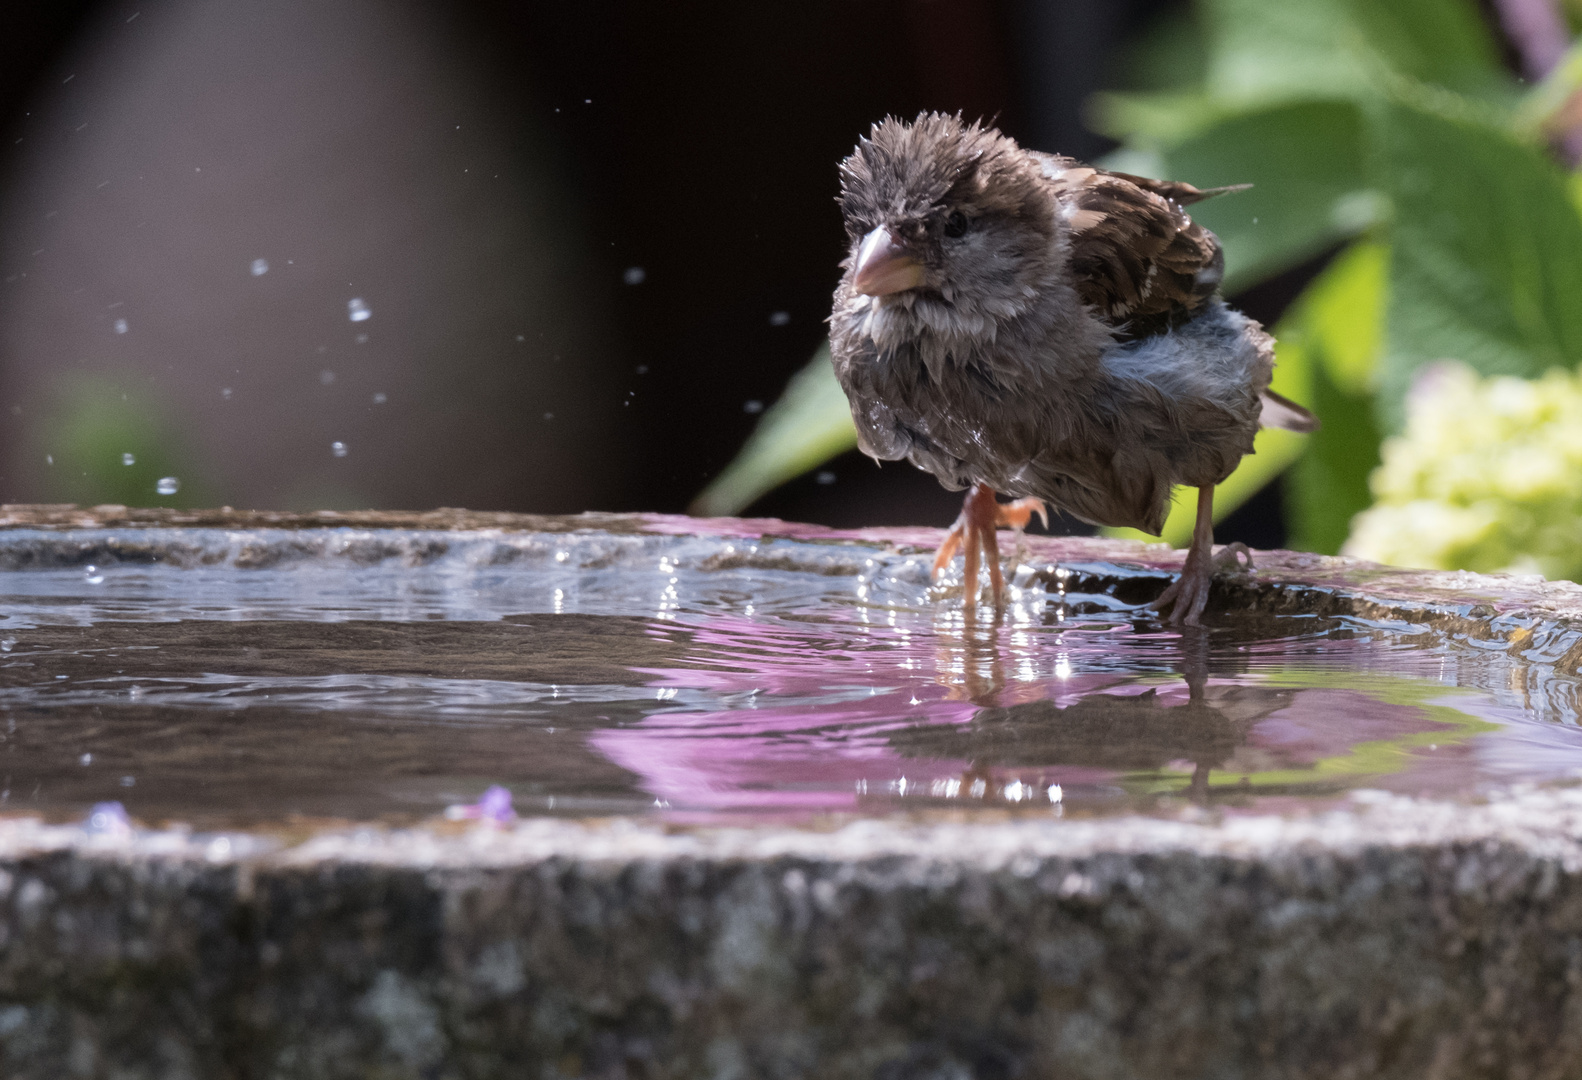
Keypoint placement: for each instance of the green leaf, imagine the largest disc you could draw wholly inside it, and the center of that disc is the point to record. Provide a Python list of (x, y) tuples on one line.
[(1337, 327), (1443, 42), (1329, 485), (810, 424), (1154, 118), (1341, 316), (1487, 262), (1265, 50), (1305, 163), (1268, 50)]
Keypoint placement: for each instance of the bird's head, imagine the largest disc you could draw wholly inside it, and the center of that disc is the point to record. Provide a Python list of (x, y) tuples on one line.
[(950, 220)]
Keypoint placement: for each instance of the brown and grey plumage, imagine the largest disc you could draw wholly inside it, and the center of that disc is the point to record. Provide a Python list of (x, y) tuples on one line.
[(1034, 326)]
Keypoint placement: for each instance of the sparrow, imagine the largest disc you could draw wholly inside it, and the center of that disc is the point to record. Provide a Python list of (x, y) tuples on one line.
[(1017, 322)]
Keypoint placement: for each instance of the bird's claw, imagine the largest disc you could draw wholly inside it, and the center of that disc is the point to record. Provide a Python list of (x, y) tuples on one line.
[(974, 534), (1187, 596)]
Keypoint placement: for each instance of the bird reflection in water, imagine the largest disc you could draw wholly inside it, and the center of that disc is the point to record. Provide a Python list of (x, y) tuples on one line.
[(1020, 729)]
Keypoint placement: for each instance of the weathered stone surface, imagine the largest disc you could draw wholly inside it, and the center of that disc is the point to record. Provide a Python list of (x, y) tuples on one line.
[(1392, 938)]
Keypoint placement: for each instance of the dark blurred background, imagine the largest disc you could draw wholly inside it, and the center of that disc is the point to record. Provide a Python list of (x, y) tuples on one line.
[(541, 256)]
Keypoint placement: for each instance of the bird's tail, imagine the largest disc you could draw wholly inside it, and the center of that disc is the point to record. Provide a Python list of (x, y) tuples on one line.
[(1281, 412)]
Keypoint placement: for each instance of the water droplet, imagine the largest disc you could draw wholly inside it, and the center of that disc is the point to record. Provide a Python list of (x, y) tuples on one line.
[(8, 644), (338, 449), (168, 485), (635, 275), (380, 399), (753, 407), (226, 393), (779, 318), (260, 267), (357, 311), (128, 781), (549, 416), (326, 377), (128, 459), (641, 369), (120, 326), (92, 575), (108, 819), (49, 459), (362, 339), (86, 759), (825, 477)]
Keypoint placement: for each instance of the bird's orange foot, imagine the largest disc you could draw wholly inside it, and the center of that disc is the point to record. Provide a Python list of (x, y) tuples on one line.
[(973, 532)]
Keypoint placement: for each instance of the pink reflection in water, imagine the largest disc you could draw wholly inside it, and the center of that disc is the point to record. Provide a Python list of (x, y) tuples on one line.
[(818, 704), (864, 682)]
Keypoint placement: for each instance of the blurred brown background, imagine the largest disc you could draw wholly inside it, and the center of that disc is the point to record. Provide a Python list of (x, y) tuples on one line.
[(588, 237)]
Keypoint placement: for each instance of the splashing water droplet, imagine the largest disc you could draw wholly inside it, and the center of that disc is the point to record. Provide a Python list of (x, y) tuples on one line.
[(86, 759), (380, 399), (128, 459), (108, 819), (260, 267), (326, 377), (825, 477), (753, 407), (92, 576), (168, 485), (8, 644), (226, 393), (338, 449), (635, 275), (357, 311), (120, 326), (779, 318)]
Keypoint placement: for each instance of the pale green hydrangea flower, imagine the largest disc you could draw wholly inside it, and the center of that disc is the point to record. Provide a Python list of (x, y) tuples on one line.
[(1486, 477)]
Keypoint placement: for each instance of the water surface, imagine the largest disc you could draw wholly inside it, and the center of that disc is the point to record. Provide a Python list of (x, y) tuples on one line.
[(224, 678)]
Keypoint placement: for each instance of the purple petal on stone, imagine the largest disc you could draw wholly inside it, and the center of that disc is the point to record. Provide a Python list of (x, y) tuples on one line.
[(493, 805)]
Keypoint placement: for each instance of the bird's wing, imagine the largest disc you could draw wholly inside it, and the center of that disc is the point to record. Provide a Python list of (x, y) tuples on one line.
[(1136, 257)]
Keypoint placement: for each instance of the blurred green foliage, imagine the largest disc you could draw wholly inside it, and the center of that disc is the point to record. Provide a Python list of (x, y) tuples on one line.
[(93, 427), (1392, 131)]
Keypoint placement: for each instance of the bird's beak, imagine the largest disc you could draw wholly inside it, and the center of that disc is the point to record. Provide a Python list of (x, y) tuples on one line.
[(884, 266)]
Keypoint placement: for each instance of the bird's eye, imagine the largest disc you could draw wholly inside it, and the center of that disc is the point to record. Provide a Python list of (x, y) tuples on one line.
[(956, 225)]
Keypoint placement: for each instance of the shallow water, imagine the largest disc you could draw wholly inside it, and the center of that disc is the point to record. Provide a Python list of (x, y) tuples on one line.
[(224, 678)]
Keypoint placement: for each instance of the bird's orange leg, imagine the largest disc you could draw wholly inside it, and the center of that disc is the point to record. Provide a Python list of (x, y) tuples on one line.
[(1188, 595), (974, 532)]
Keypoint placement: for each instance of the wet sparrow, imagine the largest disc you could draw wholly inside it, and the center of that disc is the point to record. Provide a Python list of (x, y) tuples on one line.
[(1018, 322)]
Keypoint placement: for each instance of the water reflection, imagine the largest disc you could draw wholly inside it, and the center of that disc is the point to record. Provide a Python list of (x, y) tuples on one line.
[(1001, 712), (1123, 732)]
